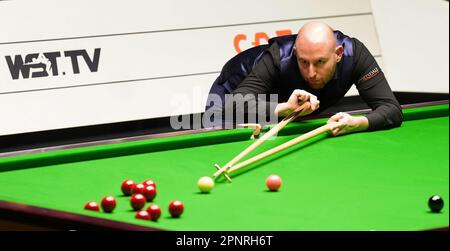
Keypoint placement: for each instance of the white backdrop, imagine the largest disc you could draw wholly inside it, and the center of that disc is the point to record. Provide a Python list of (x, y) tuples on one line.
[(414, 36), (141, 59)]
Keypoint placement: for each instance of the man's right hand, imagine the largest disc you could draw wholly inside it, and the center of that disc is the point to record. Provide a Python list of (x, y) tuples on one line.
[(297, 98)]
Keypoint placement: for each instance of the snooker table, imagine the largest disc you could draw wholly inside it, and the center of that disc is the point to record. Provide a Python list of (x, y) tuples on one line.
[(363, 181)]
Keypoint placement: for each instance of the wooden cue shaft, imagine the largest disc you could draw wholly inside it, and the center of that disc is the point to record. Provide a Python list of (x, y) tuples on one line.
[(255, 144), (258, 142), (281, 147)]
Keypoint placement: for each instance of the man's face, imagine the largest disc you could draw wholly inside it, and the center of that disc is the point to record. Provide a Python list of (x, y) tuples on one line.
[(317, 63)]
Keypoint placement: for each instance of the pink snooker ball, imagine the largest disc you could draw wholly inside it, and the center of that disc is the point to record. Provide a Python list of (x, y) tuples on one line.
[(273, 182)]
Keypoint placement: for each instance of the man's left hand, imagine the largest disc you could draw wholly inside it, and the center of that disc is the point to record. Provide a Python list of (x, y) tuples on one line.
[(345, 123)]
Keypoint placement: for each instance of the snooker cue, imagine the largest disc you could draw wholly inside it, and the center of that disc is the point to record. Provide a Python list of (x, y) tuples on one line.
[(283, 146), (269, 134)]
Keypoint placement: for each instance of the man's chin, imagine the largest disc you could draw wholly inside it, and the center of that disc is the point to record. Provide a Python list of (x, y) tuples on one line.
[(316, 86)]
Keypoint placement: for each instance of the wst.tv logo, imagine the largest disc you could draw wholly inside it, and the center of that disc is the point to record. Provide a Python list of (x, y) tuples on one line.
[(45, 64)]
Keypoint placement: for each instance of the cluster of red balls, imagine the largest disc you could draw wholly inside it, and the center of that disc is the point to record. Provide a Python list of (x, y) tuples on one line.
[(140, 193)]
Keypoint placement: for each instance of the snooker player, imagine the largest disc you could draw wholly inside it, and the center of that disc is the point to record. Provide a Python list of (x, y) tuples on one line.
[(318, 65)]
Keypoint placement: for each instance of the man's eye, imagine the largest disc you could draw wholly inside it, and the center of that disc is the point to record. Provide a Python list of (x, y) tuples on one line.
[(320, 62)]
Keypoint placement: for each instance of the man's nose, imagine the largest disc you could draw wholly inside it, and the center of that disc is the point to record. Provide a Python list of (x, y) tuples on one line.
[(312, 71)]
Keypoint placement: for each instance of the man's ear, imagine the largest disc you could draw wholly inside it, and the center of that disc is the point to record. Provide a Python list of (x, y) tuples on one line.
[(339, 52)]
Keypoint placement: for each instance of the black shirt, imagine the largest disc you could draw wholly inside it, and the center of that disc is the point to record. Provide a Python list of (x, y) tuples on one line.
[(366, 75)]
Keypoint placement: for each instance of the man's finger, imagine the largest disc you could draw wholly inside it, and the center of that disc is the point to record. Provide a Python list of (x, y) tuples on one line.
[(335, 131), (299, 93), (332, 120), (337, 116), (314, 102), (301, 100)]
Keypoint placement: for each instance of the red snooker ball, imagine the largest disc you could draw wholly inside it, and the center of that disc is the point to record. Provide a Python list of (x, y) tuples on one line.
[(149, 183), (137, 201), (138, 188), (92, 205), (108, 204), (143, 215), (154, 211), (149, 193), (273, 182), (127, 187), (176, 208)]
